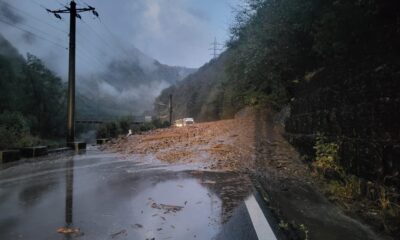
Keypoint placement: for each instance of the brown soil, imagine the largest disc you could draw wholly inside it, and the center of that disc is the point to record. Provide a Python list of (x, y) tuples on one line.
[(221, 145)]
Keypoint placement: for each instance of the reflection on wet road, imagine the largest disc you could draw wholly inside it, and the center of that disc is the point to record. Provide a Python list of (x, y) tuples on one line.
[(99, 195)]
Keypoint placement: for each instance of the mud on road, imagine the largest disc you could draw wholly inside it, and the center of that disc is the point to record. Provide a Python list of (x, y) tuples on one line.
[(253, 143), (222, 145)]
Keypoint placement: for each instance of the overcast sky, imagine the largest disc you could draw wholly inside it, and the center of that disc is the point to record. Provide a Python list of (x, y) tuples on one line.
[(174, 32)]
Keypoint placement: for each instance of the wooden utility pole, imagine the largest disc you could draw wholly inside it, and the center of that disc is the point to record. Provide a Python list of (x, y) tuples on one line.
[(74, 13), (170, 109), (71, 75)]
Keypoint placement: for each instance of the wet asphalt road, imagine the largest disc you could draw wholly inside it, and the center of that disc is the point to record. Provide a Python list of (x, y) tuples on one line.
[(109, 196)]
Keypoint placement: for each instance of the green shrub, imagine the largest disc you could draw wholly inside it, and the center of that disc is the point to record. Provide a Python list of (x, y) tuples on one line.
[(108, 130), (101, 131), (159, 124), (327, 158), (14, 130), (144, 127), (341, 186), (124, 125)]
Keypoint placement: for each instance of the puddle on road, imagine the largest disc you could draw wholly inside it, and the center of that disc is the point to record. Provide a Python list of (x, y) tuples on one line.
[(111, 201), (198, 212)]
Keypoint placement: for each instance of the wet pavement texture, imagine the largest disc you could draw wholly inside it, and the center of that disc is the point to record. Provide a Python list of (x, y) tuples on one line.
[(100, 195)]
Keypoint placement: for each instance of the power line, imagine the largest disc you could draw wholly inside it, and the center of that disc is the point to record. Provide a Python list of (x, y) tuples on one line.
[(33, 28), (83, 3), (89, 58), (84, 51), (37, 3), (113, 35), (27, 31), (98, 35), (111, 44), (92, 46), (88, 55), (93, 58), (36, 18), (121, 49)]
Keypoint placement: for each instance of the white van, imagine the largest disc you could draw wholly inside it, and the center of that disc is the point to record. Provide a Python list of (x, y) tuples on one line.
[(188, 121), (184, 122)]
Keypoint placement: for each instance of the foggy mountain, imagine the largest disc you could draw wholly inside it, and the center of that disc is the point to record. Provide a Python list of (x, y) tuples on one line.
[(200, 95), (128, 86), (111, 81)]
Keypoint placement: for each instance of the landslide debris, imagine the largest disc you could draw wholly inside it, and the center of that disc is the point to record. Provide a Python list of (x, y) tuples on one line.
[(220, 145)]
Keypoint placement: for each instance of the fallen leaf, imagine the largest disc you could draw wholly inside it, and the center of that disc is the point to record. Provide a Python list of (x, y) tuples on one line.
[(65, 230), (209, 182), (123, 231), (137, 225)]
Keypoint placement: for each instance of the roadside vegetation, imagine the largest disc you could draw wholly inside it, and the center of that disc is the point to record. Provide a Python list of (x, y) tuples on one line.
[(32, 101), (376, 203), (122, 126)]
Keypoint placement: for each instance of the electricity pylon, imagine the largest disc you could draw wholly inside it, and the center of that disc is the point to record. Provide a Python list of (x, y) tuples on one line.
[(215, 48)]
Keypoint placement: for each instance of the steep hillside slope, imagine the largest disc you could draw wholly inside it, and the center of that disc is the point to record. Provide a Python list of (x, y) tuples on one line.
[(202, 95)]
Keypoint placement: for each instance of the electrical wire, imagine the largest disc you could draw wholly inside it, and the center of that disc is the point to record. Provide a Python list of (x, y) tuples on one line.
[(39, 36), (32, 27), (36, 18)]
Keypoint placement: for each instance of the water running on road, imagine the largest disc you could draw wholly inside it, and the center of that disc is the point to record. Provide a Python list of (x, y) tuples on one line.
[(99, 195)]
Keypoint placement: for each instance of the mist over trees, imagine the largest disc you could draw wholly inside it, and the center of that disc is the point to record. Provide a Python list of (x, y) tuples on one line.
[(128, 86), (32, 100)]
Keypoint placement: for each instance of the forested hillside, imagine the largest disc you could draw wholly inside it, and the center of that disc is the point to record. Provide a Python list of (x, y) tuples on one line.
[(335, 64), (32, 100), (200, 95)]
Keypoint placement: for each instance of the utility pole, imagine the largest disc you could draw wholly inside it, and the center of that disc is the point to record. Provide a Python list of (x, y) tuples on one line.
[(215, 48), (73, 14), (170, 109)]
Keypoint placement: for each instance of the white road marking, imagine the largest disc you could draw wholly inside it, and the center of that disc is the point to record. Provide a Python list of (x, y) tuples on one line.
[(260, 223)]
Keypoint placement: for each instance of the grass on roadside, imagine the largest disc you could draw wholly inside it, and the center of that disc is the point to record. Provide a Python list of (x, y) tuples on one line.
[(375, 202)]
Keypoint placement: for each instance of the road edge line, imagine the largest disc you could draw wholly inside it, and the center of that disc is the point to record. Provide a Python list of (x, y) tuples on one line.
[(258, 219)]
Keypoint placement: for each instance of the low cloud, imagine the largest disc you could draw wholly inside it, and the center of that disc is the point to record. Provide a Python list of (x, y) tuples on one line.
[(129, 100), (171, 31)]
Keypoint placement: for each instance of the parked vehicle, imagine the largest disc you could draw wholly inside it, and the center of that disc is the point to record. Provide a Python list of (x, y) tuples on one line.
[(184, 122)]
